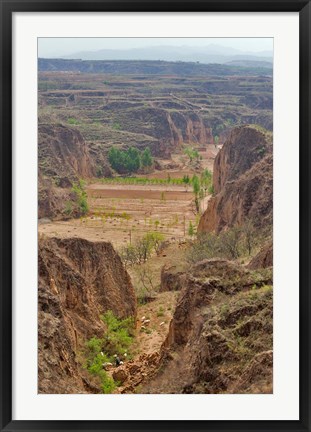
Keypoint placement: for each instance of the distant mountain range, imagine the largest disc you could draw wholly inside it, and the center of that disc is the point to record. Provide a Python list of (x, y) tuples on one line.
[(209, 54)]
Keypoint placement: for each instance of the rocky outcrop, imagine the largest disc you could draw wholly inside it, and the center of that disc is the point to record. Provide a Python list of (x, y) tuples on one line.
[(243, 148), (242, 180), (78, 281), (170, 278), (221, 332), (263, 259), (200, 286), (134, 372)]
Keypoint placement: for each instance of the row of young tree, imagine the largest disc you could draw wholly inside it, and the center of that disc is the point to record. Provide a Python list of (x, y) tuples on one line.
[(200, 186), (129, 161)]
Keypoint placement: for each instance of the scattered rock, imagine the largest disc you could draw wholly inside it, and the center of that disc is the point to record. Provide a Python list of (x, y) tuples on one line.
[(120, 375)]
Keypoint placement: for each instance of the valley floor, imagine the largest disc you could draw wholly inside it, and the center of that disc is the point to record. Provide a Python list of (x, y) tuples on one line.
[(121, 214)]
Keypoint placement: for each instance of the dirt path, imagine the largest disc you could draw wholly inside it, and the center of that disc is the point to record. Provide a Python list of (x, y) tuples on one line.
[(135, 373), (149, 337)]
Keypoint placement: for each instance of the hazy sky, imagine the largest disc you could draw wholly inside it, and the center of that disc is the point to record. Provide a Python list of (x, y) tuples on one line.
[(57, 47)]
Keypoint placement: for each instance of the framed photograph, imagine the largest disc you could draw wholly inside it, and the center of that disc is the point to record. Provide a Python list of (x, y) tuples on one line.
[(155, 215)]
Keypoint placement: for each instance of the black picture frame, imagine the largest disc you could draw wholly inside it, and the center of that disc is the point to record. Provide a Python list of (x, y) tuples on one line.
[(8, 7)]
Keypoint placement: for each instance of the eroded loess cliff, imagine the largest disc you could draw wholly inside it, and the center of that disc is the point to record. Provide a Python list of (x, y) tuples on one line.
[(63, 158), (164, 131), (220, 337), (78, 281), (63, 154), (242, 180)]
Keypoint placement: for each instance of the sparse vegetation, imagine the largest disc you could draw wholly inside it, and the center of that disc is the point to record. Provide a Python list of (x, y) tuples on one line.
[(191, 229), (98, 351), (192, 154), (196, 190), (144, 181), (146, 158), (81, 196), (72, 121), (141, 250), (232, 243), (211, 190), (146, 286), (68, 208), (160, 312)]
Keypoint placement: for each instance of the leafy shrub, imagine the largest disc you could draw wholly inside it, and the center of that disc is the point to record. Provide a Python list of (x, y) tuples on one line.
[(160, 312), (81, 196), (72, 121), (191, 229), (146, 158), (211, 190), (95, 359), (116, 126), (116, 340), (99, 171), (68, 208), (119, 334)]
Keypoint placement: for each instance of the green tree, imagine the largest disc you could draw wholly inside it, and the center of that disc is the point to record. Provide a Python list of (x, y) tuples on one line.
[(81, 196), (146, 158), (116, 159), (124, 161), (196, 190), (132, 159), (191, 229), (191, 153), (186, 181), (205, 180)]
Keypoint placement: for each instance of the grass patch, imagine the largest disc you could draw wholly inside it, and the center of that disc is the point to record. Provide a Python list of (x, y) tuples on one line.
[(72, 121)]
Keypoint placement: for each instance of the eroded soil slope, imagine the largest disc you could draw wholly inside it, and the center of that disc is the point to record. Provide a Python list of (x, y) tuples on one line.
[(78, 281), (242, 180), (220, 337)]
